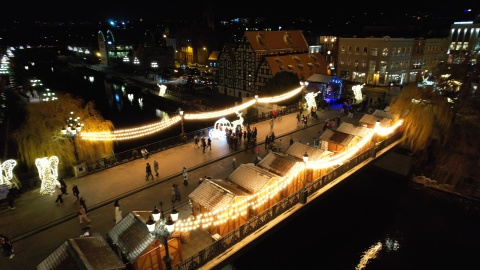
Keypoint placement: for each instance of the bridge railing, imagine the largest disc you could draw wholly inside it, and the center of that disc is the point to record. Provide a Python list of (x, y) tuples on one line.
[(133, 154), (255, 223)]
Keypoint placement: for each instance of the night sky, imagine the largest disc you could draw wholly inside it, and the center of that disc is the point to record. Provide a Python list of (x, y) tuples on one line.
[(150, 10)]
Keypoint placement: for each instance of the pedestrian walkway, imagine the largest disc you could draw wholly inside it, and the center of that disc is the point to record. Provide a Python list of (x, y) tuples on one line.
[(38, 225)]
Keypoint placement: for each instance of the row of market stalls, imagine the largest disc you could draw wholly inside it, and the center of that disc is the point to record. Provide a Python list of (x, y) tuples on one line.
[(222, 204)]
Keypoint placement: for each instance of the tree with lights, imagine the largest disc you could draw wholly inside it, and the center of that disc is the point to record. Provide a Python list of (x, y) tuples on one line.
[(41, 136), (443, 134)]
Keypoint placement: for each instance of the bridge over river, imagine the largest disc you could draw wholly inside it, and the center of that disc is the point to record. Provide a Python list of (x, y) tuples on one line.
[(36, 239)]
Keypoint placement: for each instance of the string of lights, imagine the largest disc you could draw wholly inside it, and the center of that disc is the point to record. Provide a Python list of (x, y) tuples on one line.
[(134, 133), (221, 216)]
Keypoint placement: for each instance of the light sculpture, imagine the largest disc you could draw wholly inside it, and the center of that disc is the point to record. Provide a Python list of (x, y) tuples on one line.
[(7, 171), (48, 174)]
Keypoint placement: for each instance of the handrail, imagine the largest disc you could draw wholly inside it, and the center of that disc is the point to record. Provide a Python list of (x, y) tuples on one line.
[(255, 223)]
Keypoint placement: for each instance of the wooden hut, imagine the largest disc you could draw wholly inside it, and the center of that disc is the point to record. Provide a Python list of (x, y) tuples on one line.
[(358, 131), (297, 150), (336, 141), (91, 252), (132, 241), (261, 184), (370, 120), (285, 167), (218, 198)]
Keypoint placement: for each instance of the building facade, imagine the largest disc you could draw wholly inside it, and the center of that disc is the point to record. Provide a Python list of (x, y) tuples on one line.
[(246, 66)]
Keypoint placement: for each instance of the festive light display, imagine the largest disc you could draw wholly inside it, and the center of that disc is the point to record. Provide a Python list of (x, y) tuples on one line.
[(7, 171), (48, 174), (310, 98), (134, 133), (221, 216)]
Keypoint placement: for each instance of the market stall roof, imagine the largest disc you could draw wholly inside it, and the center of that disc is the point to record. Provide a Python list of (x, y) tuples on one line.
[(216, 194), (91, 252), (297, 150), (319, 78), (277, 163)]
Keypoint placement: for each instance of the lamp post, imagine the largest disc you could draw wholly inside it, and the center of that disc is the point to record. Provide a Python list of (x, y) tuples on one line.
[(73, 128), (181, 115), (303, 193), (161, 232)]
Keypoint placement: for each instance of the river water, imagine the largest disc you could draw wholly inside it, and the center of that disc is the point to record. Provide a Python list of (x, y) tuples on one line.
[(123, 104), (374, 221)]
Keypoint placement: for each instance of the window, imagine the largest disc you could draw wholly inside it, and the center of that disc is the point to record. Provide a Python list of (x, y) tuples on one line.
[(365, 50), (374, 52), (357, 49), (385, 52)]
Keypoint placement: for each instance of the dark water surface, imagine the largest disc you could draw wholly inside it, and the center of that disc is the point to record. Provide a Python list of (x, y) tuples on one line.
[(401, 226)]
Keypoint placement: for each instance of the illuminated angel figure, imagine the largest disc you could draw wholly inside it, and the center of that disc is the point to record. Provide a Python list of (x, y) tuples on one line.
[(7, 172), (48, 174), (310, 98)]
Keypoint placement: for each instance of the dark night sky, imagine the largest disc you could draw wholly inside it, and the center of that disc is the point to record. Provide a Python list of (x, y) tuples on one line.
[(132, 10)]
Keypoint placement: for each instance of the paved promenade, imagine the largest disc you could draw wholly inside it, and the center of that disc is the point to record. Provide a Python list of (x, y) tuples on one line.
[(38, 225)]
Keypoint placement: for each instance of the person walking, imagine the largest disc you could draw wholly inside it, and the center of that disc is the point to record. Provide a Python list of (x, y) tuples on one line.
[(174, 198), (185, 176), (209, 143), (59, 193), (155, 167), (234, 163), (11, 199), (196, 140), (7, 246), (148, 171), (118, 212), (63, 186), (83, 203), (204, 144), (177, 193), (291, 140), (75, 191), (82, 215)]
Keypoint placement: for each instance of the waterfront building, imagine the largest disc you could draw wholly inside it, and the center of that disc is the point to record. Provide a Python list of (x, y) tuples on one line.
[(246, 66)]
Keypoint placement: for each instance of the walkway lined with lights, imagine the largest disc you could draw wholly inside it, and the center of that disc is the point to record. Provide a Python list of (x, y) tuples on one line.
[(137, 132)]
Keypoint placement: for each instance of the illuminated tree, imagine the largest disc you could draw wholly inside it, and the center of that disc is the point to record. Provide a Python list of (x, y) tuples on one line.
[(443, 134), (40, 135)]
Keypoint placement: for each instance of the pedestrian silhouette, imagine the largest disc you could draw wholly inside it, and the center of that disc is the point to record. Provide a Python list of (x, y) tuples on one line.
[(75, 191)]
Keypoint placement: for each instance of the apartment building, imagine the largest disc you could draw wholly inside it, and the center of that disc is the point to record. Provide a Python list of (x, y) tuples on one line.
[(464, 42), (385, 60)]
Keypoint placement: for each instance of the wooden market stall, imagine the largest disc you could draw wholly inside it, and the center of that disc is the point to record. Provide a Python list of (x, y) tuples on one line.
[(133, 242), (91, 252), (260, 184), (297, 150), (220, 198)]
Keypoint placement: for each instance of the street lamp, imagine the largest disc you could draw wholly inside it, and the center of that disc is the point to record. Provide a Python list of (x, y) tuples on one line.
[(181, 115), (73, 128), (162, 232), (303, 193)]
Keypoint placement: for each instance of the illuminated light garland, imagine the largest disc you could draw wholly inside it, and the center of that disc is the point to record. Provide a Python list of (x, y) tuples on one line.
[(209, 115), (233, 211), (133, 133), (7, 171), (280, 97), (48, 174)]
